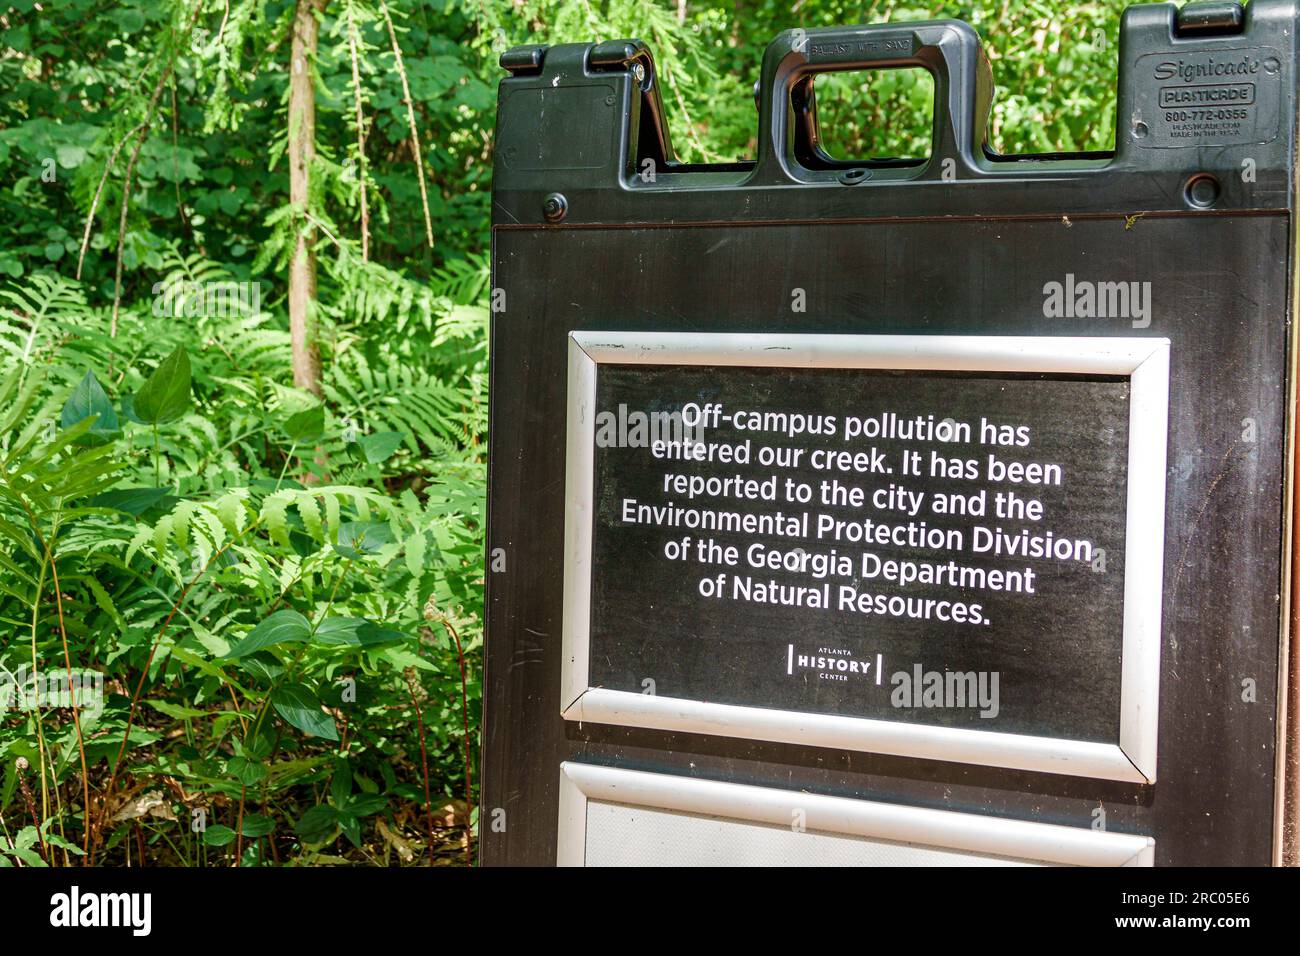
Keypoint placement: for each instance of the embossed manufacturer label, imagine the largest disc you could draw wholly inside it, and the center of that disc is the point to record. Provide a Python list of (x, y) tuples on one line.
[(1219, 98)]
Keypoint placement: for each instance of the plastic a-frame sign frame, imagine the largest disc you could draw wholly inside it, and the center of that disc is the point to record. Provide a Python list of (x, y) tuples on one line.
[(943, 501)]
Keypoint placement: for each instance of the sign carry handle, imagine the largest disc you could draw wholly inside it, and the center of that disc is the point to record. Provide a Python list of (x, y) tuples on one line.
[(949, 49)]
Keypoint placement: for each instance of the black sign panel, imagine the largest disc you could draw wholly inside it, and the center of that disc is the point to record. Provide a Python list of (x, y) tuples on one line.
[(864, 543), (579, 599)]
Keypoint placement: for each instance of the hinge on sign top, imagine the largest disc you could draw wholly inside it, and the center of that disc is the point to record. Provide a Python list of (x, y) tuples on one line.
[(524, 60), (1209, 19)]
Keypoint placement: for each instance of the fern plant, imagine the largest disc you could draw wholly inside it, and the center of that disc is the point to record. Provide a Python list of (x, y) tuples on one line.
[(229, 558)]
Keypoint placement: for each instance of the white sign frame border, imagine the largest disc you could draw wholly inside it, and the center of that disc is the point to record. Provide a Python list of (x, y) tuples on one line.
[(1145, 361), (951, 830)]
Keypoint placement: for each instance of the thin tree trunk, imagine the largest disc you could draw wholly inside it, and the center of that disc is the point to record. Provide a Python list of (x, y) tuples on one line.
[(410, 120), (302, 150), (361, 137)]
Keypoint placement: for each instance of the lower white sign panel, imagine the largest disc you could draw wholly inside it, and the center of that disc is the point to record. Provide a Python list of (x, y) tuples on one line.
[(612, 817)]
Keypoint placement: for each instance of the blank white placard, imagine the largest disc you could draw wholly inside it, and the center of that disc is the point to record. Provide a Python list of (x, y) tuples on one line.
[(622, 835), (615, 817)]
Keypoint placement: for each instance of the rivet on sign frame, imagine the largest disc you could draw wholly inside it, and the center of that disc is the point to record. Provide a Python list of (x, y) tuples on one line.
[(1202, 191), (555, 207)]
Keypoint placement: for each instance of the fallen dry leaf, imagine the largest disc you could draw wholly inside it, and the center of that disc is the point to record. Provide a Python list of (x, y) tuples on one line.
[(151, 804), (402, 847)]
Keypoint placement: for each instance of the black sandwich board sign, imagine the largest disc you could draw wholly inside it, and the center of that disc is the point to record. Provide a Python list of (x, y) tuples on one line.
[(876, 512)]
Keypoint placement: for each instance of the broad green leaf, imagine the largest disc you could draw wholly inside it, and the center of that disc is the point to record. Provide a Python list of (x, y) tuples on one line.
[(218, 835), (130, 20), (256, 825), (376, 447), (258, 746), (358, 538), (341, 782), (88, 399), (53, 839), (302, 709), (245, 771), (165, 395), (364, 804), (354, 632), (132, 501), (318, 824), (351, 828), (282, 627), (127, 404), (307, 425), (69, 155), (176, 711), (29, 857), (262, 665)]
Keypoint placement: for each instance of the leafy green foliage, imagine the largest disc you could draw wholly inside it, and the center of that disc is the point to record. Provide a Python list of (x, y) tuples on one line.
[(282, 627), (89, 401), (165, 395), (300, 707)]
